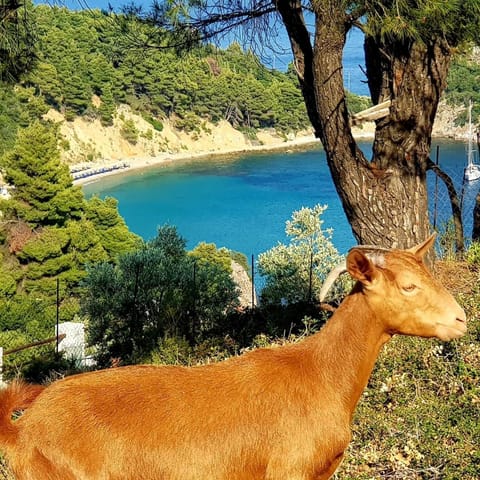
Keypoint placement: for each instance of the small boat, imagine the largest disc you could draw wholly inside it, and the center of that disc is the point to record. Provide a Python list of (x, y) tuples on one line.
[(472, 170)]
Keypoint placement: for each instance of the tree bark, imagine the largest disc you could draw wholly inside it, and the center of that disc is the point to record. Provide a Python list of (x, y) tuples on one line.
[(291, 12), (385, 199), (414, 77)]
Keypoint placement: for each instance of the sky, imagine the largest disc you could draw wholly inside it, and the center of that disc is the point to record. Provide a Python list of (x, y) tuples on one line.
[(353, 62)]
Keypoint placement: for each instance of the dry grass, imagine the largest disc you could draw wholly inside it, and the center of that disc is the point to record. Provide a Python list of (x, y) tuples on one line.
[(5, 473), (460, 278)]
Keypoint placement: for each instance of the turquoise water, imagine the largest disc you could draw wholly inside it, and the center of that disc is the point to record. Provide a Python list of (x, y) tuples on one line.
[(242, 202)]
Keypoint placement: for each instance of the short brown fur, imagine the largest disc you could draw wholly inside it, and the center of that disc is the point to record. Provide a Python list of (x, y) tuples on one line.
[(273, 414)]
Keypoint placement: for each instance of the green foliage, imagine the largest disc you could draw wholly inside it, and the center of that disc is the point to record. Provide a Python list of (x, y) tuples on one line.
[(17, 40), (151, 293), (357, 103), (50, 231), (455, 21), (28, 319), (46, 244), (206, 253), (177, 351), (171, 351), (156, 124), (473, 254), (107, 107), (463, 86), (43, 193), (110, 227), (18, 108), (83, 54), (190, 122), (8, 283), (169, 242), (129, 132), (295, 272), (446, 241), (23, 320), (48, 367)]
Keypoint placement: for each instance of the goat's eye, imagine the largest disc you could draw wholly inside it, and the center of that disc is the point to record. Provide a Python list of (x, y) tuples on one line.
[(409, 288)]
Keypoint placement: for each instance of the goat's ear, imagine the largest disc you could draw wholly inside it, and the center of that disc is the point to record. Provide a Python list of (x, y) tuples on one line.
[(421, 250), (361, 268)]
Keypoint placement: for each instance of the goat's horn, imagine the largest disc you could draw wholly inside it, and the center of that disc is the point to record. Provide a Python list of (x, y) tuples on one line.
[(331, 277), (342, 267)]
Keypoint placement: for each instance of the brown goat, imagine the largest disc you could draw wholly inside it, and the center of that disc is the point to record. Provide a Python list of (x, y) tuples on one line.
[(274, 414)]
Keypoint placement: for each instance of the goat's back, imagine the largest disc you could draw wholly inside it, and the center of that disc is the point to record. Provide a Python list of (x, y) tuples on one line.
[(222, 421)]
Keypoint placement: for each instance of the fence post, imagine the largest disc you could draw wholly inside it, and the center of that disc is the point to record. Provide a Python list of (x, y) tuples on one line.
[(435, 195), (253, 281), (310, 274), (57, 314), (194, 300)]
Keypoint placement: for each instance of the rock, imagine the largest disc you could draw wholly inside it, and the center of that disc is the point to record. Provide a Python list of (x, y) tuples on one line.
[(244, 282)]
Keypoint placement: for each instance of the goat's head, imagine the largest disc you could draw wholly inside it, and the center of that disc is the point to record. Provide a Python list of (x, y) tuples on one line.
[(404, 294)]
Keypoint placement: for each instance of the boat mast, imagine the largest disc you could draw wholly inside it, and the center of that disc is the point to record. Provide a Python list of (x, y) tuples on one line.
[(470, 135)]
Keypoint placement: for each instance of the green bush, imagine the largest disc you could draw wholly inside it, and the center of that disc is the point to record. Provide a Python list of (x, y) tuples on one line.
[(49, 367), (48, 243), (8, 284), (156, 124), (152, 293), (189, 122), (473, 254), (129, 132), (295, 272)]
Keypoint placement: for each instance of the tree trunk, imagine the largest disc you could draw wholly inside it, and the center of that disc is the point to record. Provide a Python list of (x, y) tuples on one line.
[(385, 199), (414, 79)]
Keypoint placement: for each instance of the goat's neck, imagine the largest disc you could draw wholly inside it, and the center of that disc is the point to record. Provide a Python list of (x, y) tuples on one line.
[(347, 347)]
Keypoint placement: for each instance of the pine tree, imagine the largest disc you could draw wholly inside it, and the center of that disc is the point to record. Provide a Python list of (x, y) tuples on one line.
[(43, 193), (107, 107)]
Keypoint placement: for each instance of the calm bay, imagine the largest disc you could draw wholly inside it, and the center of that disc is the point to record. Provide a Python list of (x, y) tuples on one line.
[(242, 202)]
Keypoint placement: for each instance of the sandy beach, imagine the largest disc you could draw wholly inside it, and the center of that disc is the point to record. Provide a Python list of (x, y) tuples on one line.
[(94, 171)]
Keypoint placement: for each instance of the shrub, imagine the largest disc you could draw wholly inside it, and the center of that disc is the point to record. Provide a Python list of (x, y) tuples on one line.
[(156, 124), (295, 272), (190, 123), (473, 254), (49, 367), (129, 132)]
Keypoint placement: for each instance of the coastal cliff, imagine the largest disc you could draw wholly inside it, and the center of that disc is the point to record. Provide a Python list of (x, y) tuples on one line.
[(89, 143)]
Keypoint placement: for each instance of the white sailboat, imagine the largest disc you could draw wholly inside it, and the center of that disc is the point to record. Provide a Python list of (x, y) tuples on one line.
[(472, 170)]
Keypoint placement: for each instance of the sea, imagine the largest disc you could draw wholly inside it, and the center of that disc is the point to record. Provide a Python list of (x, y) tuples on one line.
[(242, 202)]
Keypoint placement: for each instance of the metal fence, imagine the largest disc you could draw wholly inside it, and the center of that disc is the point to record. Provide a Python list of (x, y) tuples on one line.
[(439, 198), (39, 332)]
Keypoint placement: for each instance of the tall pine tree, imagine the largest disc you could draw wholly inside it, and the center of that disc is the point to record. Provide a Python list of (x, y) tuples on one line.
[(43, 193)]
